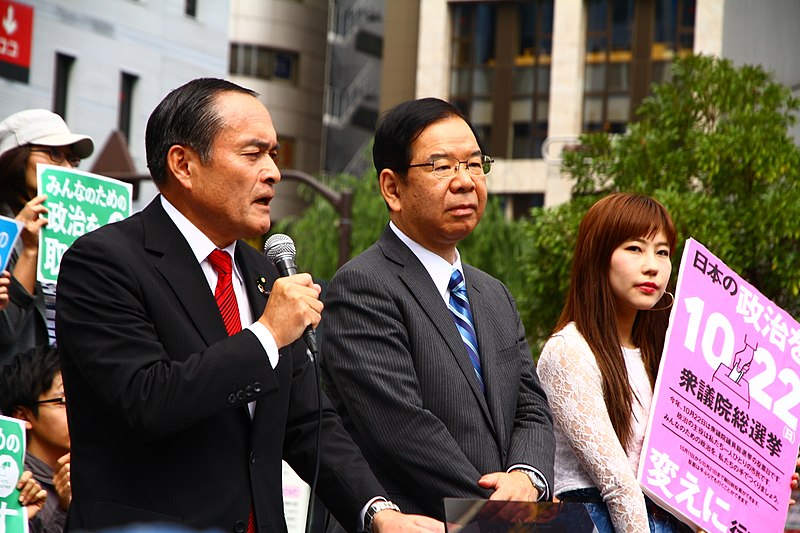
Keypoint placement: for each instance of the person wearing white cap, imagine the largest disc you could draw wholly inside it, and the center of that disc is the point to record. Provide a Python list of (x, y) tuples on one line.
[(27, 138)]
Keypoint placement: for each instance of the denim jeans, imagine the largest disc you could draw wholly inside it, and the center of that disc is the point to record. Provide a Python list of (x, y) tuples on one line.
[(602, 519)]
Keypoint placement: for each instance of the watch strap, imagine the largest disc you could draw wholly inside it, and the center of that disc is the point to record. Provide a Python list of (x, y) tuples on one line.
[(536, 479), (374, 508)]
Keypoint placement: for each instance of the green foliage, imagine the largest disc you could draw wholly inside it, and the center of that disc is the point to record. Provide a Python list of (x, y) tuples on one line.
[(317, 230), (545, 262), (713, 146)]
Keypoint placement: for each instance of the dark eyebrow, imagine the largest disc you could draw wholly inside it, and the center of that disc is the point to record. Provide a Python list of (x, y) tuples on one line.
[(262, 145), (437, 155)]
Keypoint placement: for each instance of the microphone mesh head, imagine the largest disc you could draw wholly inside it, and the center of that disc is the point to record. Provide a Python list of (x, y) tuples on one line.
[(279, 246)]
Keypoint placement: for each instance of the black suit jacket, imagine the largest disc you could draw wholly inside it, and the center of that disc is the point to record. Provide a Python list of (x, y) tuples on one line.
[(157, 392), (396, 369)]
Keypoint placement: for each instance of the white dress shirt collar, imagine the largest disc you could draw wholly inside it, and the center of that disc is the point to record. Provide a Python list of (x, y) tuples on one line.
[(200, 244), (438, 268)]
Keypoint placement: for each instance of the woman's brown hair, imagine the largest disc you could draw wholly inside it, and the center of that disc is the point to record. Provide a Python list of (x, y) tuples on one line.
[(13, 188), (590, 302)]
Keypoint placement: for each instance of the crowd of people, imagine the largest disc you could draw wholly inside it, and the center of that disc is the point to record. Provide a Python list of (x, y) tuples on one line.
[(169, 377), (31, 387)]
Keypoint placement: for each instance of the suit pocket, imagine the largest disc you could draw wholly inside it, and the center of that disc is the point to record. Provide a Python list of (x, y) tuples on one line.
[(512, 353)]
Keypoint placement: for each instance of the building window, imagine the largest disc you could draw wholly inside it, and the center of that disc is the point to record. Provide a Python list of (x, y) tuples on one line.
[(521, 204), (126, 88), (190, 8), (61, 81), (630, 44), (500, 72), (531, 80), (262, 62)]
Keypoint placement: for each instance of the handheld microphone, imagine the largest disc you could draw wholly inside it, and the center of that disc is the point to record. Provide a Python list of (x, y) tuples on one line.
[(280, 249)]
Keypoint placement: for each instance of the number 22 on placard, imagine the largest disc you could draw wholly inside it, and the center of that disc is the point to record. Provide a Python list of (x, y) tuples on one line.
[(719, 323)]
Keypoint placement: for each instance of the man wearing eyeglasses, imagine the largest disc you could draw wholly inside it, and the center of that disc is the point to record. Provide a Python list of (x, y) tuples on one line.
[(424, 356), (31, 390)]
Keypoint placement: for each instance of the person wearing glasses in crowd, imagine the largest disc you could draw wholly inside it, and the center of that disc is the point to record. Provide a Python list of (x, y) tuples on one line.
[(31, 390), (28, 138), (423, 355)]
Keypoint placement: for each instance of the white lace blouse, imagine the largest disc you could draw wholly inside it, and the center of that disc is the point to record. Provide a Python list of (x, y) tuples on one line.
[(588, 453)]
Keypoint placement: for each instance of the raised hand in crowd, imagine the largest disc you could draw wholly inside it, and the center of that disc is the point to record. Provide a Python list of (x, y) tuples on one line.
[(31, 494), (5, 281), (61, 481)]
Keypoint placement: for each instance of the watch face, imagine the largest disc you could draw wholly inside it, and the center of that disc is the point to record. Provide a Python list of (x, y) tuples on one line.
[(374, 509)]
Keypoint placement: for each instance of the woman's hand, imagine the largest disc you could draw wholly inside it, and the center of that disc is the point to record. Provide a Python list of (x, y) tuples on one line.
[(32, 216)]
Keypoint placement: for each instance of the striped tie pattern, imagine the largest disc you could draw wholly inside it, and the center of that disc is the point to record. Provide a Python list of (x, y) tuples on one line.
[(229, 309), (49, 294), (459, 307), (223, 293)]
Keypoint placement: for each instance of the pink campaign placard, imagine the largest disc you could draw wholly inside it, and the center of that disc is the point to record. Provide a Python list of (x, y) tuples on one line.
[(721, 441)]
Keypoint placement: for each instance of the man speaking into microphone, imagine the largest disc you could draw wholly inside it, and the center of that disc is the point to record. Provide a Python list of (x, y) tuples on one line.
[(184, 377)]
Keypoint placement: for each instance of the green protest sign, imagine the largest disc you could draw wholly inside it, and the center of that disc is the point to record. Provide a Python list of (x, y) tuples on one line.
[(13, 517), (77, 203)]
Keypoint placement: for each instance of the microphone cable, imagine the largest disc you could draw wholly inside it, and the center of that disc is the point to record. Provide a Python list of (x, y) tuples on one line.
[(280, 250)]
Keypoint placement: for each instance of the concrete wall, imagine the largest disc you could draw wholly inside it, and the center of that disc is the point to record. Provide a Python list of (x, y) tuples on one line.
[(152, 40), (765, 33), (400, 52), (296, 109), (299, 27)]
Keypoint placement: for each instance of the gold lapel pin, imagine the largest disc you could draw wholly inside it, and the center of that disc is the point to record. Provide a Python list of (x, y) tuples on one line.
[(261, 282)]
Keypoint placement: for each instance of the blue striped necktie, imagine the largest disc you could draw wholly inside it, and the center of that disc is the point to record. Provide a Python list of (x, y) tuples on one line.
[(459, 307)]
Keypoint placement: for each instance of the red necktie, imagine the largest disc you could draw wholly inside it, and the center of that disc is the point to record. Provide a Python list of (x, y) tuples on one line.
[(226, 298), (229, 309)]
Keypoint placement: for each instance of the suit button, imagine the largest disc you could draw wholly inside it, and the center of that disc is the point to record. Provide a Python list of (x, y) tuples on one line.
[(257, 387), (252, 458), (231, 398), (240, 395), (248, 391), (239, 526)]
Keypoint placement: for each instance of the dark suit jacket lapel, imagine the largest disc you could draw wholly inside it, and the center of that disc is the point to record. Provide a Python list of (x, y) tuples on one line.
[(250, 275), (174, 259), (421, 286)]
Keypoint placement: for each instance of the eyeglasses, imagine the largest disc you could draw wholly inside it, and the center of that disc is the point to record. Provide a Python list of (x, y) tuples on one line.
[(61, 400), (58, 156), (447, 167)]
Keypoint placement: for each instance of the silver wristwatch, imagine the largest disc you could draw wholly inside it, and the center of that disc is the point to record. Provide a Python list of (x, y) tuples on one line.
[(537, 481), (376, 507)]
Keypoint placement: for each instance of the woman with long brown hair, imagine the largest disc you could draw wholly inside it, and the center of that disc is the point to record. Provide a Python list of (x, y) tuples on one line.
[(600, 365)]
